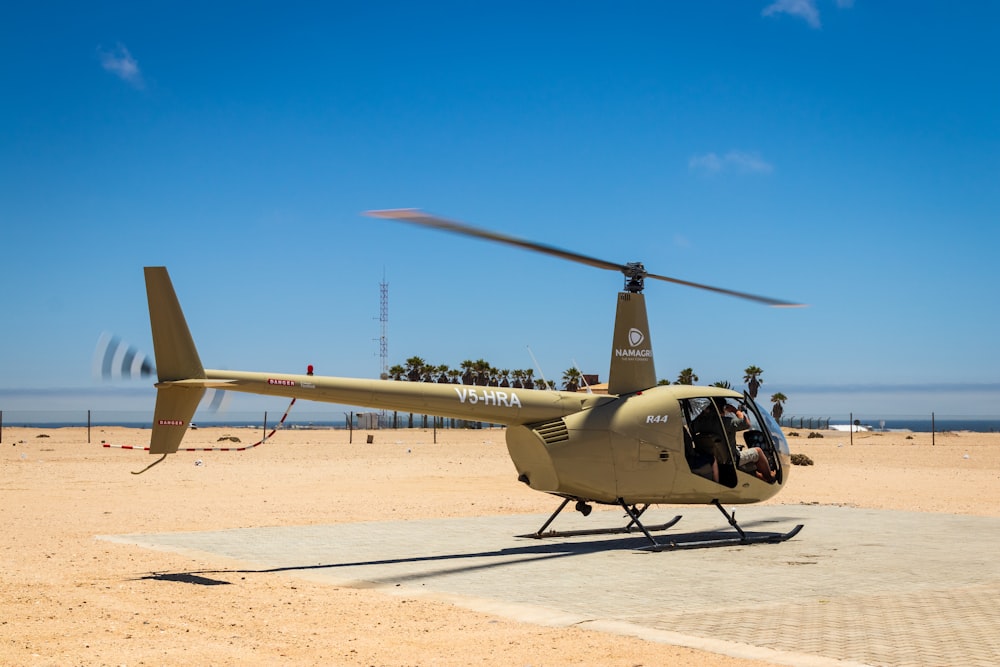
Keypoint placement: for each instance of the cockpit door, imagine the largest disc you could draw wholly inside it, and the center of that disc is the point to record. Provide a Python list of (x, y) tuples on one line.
[(765, 433)]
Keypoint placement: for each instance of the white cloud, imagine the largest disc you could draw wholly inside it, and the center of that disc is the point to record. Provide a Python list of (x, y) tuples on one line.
[(733, 160), (803, 9), (121, 63)]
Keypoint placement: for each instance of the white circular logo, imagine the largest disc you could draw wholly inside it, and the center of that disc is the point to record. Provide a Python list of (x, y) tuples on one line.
[(635, 337)]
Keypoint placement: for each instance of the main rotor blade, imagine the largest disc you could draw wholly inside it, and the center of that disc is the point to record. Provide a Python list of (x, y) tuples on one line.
[(419, 217), (777, 303)]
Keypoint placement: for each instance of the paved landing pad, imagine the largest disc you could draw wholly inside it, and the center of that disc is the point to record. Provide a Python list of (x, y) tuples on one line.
[(854, 587)]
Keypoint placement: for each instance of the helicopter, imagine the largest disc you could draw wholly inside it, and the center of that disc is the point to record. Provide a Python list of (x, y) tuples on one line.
[(639, 445)]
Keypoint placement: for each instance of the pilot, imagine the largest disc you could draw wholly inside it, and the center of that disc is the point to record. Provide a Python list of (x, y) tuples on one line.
[(752, 459), (734, 419)]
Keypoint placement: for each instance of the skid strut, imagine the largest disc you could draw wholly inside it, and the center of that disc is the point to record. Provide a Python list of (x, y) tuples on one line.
[(633, 526)]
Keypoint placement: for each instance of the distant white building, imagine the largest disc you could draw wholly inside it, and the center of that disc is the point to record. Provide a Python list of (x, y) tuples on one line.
[(847, 428)]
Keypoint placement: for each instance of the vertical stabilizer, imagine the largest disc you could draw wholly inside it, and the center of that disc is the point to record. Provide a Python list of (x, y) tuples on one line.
[(176, 359), (176, 355), (632, 367)]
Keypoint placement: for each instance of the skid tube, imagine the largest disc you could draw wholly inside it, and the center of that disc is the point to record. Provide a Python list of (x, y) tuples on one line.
[(765, 538), (633, 526)]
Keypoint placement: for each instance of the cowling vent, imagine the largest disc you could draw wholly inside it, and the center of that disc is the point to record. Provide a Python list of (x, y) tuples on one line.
[(552, 432)]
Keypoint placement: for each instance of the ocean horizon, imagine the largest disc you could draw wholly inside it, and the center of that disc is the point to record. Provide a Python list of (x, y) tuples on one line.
[(326, 420)]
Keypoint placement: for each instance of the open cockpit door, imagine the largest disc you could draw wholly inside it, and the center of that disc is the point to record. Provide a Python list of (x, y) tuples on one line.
[(771, 438), (710, 448)]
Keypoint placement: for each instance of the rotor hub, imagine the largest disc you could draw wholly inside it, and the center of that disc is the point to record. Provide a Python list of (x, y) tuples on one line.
[(635, 277)]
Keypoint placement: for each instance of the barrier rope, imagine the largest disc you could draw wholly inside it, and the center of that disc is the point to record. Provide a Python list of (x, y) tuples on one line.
[(205, 449)]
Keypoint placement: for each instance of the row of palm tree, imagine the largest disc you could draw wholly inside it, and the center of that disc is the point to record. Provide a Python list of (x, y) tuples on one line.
[(480, 372), (751, 375)]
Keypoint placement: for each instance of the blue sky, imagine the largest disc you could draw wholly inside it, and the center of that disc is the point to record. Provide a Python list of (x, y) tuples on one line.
[(842, 154)]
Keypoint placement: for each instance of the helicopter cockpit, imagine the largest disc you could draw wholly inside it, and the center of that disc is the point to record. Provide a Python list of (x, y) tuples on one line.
[(721, 434)]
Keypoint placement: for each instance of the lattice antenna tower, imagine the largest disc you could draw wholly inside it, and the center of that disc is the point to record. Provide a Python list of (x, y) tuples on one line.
[(383, 319)]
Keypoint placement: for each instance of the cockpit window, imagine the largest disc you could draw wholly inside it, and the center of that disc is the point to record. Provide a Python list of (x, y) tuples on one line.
[(777, 435)]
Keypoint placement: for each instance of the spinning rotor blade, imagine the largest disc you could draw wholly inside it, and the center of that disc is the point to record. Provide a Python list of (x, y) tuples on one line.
[(217, 399), (114, 359), (777, 303), (632, 272), (417, 216)]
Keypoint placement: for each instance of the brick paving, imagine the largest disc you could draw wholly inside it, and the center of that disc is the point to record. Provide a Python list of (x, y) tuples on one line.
[(860, 587)]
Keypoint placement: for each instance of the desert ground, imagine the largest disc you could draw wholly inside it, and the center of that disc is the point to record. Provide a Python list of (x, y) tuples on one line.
[(70, 598)]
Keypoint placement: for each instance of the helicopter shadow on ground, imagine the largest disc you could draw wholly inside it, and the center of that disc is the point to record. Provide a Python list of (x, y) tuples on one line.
[(538, 550), (185, 578)]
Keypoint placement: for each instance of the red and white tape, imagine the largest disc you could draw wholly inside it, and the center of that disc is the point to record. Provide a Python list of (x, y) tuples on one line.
[(214, 449)]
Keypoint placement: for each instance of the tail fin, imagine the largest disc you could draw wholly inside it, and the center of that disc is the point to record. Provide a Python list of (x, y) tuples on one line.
[(632, 367), (176, 360)]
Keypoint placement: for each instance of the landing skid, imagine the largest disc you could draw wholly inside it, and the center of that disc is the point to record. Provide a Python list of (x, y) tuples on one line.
[(765, 538), (634, 525)]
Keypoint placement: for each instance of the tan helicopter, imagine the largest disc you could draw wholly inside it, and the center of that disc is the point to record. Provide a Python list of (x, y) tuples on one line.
[(638, 445)]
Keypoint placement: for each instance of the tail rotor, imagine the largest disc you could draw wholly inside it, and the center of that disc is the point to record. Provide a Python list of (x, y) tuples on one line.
[(116, 360)]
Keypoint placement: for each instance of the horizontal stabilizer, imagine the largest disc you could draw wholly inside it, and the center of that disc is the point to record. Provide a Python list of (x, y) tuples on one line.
[(195, 383)]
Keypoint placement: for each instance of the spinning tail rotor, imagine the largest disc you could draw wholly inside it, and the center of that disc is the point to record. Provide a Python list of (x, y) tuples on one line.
[(116, 360)]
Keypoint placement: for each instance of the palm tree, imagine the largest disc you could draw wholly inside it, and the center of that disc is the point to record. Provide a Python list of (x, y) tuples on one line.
[(663, 382), (415, 368), (779, 405), (481, 372), (518, 376), (752, 377), (722, 384), (396, 372), (467, 376), (571, 379), (687, 376)]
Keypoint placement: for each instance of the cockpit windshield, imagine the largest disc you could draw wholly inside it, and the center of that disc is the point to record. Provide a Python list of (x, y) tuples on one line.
[(777, 436)]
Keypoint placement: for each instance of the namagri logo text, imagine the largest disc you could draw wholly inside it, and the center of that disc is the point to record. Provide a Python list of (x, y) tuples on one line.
[(635, 339)]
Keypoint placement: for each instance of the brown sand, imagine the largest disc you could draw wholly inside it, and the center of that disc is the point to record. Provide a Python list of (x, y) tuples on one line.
[(68, 598)]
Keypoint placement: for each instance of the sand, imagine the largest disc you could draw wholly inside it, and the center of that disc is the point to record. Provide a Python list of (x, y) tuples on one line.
[(70, 598)]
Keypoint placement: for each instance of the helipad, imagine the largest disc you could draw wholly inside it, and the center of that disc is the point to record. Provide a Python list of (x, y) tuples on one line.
[(854, 587)]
